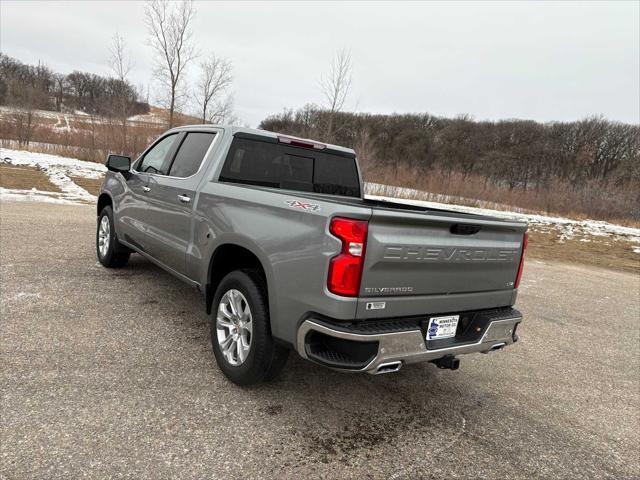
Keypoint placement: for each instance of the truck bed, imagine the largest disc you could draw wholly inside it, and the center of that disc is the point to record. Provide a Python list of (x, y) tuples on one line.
[(428, 260)]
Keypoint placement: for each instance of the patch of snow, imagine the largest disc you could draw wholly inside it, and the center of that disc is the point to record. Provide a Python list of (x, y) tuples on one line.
[(15, 145), (58, 169), (569, 228), (76, 167), (148, 118), (635, 249), (59, 127), (33, 195)]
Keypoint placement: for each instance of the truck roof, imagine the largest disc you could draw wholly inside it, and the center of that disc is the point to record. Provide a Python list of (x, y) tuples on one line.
[(264, 133)]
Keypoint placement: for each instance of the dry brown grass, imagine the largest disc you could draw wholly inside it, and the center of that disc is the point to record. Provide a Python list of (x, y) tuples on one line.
[(25, 178), (86, 138), (91, 185), (604, 252), (614, 204)]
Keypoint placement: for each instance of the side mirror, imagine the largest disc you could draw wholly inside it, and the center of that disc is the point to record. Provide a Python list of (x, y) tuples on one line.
[(119, 163)]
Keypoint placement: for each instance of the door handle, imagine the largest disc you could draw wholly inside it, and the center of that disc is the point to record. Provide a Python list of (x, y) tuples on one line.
[(184, 198), (146, 189)]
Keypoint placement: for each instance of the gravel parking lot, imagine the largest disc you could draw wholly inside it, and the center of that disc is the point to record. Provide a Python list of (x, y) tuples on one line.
[(109, 373)]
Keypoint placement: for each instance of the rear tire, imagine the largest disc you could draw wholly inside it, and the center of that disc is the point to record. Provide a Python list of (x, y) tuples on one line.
[(241, 331), (111, 253)]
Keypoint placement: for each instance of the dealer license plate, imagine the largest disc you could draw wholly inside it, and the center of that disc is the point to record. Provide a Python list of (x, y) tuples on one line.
[(442, 327)]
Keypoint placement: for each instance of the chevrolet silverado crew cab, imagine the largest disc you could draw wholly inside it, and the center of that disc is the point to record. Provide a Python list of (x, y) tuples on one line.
[(290, 255)]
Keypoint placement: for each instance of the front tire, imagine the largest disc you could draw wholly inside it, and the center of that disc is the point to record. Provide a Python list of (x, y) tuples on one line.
[(240, 330), (111, 253)]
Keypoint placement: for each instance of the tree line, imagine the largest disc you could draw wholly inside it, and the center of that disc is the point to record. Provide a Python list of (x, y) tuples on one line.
[(516, 153), (39, 87), (593, 164)]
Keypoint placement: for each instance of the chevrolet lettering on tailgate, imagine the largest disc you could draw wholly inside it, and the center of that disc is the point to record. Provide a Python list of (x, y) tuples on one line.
[(444, 254)]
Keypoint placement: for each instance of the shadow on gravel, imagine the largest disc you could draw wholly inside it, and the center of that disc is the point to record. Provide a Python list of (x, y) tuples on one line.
[(332, 418), (317, 416), (331, 415)]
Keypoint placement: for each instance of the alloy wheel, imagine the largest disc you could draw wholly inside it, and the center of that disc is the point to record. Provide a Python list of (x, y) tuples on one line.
[(104, 233), (234, 327)]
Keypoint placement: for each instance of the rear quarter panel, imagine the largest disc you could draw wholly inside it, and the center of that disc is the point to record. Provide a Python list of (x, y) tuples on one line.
[(292, 243)]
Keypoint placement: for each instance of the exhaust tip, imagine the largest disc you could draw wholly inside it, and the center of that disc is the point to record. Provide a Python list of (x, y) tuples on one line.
[(497, 346), (388, 367)]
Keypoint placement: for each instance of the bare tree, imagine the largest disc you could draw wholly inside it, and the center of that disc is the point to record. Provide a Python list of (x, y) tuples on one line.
[(120, 61), (60, 90), (25, 104), (336, 87), (223, 112), (121, 65), (215, 80), (170, 36)]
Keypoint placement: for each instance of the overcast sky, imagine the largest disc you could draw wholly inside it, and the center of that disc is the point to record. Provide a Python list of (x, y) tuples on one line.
[(541, 61)]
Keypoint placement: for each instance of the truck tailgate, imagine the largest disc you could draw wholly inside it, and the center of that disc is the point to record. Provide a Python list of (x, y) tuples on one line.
[(433, 262)]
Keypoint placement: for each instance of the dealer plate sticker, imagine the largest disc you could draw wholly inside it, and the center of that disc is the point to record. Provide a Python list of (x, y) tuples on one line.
[(442, 327)]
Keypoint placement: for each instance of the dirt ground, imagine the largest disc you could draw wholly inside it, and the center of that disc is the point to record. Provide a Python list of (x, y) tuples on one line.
[(25, 178), (593, 251), (91, 185)]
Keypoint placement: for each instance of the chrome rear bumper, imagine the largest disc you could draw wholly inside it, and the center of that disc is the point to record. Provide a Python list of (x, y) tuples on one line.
[(408, 346)]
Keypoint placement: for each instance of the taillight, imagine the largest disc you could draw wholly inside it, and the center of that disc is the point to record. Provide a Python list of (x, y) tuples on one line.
[(525, 243), (345, 269)]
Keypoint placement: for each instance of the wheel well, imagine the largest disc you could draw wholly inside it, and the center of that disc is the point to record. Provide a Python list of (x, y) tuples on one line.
[(103, 201), (226, 259)]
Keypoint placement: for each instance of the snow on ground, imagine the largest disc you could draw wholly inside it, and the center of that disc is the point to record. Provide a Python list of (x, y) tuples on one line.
[(569, 228), (148, 118), (60, 169), (15, 145), (59, 127), (33, 195)]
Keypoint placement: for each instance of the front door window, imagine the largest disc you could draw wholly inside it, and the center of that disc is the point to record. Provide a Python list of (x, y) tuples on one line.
[(155, 160)]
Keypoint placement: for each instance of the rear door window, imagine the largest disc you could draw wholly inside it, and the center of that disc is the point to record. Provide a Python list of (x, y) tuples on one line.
[(267, 164), (191, 154)]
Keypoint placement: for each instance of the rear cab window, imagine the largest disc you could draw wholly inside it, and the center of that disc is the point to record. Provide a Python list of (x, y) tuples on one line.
[(263, 161)]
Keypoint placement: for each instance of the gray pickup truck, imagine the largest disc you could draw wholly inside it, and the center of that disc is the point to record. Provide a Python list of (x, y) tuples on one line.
[(289, 254)]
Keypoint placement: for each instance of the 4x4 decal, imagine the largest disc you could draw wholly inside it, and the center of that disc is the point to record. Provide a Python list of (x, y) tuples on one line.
[(303, 205)]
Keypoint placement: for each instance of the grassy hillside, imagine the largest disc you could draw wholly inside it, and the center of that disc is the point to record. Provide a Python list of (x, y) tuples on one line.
[(83, 136)]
